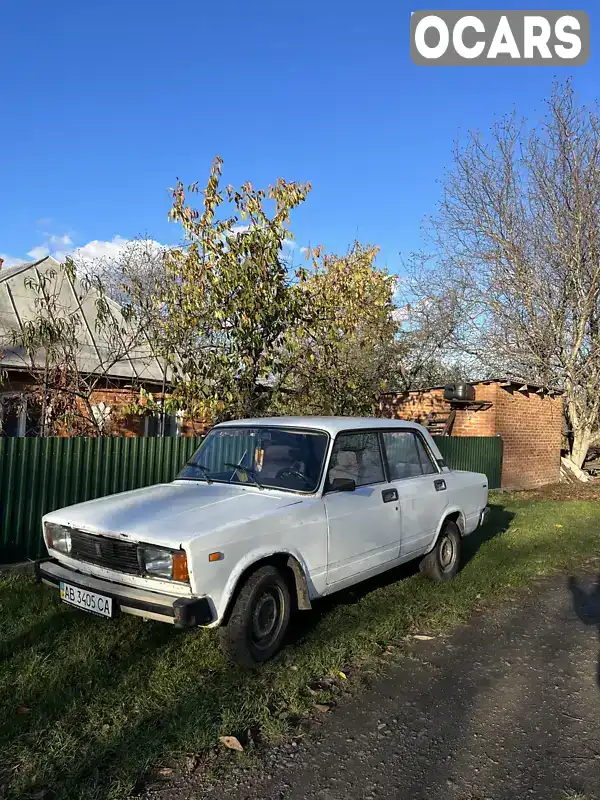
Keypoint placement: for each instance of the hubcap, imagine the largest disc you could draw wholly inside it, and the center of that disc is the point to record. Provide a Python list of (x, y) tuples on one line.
[(267, 617), (446, 553)]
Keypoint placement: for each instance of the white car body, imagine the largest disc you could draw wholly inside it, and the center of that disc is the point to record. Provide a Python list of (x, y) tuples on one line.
[(332, 539)]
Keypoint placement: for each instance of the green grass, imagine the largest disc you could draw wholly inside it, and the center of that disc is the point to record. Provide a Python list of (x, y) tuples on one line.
[(573, 795), (88, 707)]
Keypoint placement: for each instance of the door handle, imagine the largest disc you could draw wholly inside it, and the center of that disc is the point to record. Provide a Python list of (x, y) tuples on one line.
[(389, 495), (440, 485)]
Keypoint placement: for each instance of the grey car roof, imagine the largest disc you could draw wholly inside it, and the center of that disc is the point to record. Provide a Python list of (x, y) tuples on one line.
[(332, 425)]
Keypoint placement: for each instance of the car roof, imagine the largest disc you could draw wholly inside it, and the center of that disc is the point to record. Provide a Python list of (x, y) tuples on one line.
[(332, 425)]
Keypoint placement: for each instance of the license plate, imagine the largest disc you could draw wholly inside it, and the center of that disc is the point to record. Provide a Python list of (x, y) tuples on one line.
[(89, 601)]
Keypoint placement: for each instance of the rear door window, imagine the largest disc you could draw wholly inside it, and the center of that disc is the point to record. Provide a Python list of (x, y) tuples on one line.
[(407, 455)]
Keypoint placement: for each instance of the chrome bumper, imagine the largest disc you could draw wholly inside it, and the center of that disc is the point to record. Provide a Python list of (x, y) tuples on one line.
[(484, 515), (182, 612)]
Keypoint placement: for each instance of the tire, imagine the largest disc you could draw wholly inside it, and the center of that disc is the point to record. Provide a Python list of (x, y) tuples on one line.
[(259, 619), (443, 562)]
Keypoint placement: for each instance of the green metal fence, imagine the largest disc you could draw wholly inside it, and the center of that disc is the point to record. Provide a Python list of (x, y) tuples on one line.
[(40, 475), (476, 453)]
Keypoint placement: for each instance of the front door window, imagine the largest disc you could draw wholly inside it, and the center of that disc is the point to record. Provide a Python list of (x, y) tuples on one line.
[(356, 456)]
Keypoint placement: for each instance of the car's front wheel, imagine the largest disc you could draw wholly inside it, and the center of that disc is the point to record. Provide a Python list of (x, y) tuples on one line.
[(259, 618), (443, 562)]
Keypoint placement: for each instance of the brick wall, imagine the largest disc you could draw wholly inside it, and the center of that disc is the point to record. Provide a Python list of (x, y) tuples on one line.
[(416, 406), (123, 424), (530, 425), (116, 397), (531, 428), (120, 424)]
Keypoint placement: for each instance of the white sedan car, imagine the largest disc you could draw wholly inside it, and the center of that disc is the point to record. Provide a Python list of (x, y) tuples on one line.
[(268, 515)]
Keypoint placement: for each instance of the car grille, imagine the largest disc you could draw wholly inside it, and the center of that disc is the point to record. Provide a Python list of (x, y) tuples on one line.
[(109, 553)]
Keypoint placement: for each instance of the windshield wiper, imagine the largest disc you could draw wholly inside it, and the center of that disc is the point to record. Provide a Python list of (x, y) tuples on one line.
[(204, 469), (248, 470)]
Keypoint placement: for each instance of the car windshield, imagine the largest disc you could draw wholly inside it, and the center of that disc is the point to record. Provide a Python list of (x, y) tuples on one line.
[(267, 457)]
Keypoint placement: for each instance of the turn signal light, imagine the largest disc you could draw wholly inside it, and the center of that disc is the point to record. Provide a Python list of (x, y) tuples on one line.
[(216, 557), (180, 567)]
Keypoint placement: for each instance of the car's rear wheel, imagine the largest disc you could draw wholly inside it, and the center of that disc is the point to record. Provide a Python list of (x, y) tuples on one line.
[(443, 562), (259, 619)]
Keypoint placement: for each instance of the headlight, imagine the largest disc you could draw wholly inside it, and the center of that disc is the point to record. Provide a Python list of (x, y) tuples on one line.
[(58, 537), (162, 563)]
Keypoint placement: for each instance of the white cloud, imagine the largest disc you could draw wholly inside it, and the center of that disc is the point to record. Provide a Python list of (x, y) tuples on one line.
[(60, 246), (9, 261), (98, 255), (237, 229), (97, 249), (290, 244), (304, 250), (38, 252), (64, 240), (53, 244)]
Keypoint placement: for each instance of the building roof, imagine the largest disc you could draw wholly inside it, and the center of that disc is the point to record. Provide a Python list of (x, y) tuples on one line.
[(331, 425), (523, 385), (133, 360)]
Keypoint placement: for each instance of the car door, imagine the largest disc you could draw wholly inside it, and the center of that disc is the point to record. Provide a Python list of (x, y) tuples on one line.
[(363, 525), (422, 490)]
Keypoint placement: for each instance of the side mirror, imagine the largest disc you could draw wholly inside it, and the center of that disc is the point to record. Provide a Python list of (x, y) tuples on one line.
[(343, 485)]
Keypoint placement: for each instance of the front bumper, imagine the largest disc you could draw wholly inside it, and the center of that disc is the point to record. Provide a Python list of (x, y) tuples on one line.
[(182, 612), (484, 516)]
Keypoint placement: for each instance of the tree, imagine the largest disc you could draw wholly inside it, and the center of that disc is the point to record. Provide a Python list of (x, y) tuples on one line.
[(229, 300), (344, 352), (74, 342), (517, 251), (427, 325), (134, 275), (136, 278)]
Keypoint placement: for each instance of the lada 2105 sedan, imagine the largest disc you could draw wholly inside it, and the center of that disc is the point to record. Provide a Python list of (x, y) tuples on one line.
[(267, 516)]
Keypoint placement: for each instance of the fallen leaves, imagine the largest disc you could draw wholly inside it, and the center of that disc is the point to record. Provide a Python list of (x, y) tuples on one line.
[(422, 637), (231, 742), (323, 708), (22, 710)]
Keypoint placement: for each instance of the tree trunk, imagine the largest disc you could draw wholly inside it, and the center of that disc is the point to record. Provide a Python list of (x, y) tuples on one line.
[(581, 444)]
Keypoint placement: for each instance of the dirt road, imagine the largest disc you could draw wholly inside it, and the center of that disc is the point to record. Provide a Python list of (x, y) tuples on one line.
[(506, 707)]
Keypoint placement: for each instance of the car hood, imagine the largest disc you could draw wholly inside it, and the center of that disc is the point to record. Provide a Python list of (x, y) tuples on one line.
[(173, 513)]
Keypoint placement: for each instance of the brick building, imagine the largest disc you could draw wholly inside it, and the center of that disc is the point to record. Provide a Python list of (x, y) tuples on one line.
[(118, 375), (528, 418)]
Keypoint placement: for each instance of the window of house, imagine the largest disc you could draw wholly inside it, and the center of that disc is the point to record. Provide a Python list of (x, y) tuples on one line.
[(11, 415), (356, 456), (153, 425), (20, 415), (407, 455)]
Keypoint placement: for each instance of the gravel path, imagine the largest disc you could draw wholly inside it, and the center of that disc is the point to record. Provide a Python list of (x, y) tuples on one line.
[(506, 707)]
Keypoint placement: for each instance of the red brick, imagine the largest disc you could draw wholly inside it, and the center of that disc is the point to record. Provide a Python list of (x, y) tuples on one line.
[(530, 425)]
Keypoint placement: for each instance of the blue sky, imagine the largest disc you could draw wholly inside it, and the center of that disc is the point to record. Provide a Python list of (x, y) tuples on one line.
[(105, 103)]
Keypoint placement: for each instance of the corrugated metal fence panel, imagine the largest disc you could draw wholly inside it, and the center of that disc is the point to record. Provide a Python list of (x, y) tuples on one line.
[(475, 453), (228, 448), (40, 475)]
